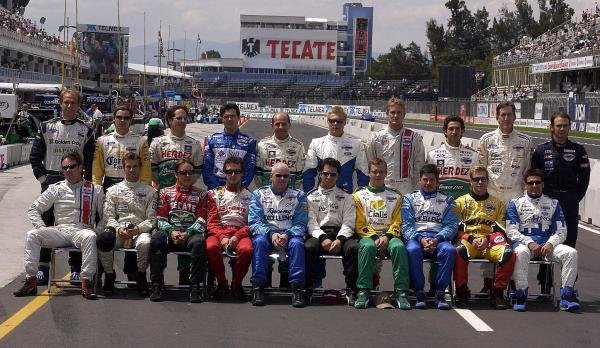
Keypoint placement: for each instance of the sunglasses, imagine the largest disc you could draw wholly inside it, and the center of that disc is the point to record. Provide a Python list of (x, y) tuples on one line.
[(535, 182), (336, 121), (186, 172), (279, 176), (232, 171), (479, 179), (329, 174), (70, 166)]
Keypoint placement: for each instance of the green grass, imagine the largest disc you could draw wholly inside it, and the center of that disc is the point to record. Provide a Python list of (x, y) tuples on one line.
[(542, 131)]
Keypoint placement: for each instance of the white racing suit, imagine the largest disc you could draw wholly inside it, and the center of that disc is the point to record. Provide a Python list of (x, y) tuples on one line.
[(271, 150), (130, 203), (539, 220), (454, 164), (404, 153), (349, 151), (76, 207), (506, 157), (108, 158)]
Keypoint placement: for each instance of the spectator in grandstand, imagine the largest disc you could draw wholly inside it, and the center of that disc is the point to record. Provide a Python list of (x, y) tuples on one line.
[(429, 225), (231, 142), (228, 229), (536, 226), (129, 209), (331, 218), (453, 159), (181, 223), (562, 158), (349, 151), (280, 147), (481, 234), (278, 220), (56, 137), (77, 203), (165, 151), (400, 147), (108, 166), (378, 224)]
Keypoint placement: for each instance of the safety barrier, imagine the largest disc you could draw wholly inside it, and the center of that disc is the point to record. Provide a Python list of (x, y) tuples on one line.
[(14, 154)]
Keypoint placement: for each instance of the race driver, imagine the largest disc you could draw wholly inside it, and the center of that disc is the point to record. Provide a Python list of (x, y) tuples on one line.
[(337, 144), (231, 142), (279, 147), (400, 147), (278, 220)]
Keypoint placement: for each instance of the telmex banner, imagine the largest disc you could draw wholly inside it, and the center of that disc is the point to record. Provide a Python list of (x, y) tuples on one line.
[(299, 49), (351, 110), (96, 28), (563, 64)]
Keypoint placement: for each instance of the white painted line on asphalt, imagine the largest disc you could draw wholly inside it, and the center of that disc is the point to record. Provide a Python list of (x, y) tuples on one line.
[(589, 229), (473, 320)]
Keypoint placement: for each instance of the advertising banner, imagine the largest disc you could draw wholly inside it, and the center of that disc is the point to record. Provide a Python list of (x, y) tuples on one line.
[(361, 37), (518, 110), (483, 109), (581, 114), (539, 108), (8, 105), (101, 43), (351, 110), (563, 64)]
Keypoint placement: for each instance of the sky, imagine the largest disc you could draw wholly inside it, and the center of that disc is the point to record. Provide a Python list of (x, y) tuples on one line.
[(395, 21)]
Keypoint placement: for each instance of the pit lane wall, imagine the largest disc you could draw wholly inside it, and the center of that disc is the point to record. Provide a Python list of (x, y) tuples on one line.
[(588, 210), (14, 154)]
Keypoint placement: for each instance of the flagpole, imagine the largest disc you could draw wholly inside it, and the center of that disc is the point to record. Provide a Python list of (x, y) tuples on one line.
[(145, 86), (160, 53)]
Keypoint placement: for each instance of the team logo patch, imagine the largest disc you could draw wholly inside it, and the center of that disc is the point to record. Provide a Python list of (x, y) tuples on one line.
[(440, 163), (489, 207), (291, 152), (498, 239), (569, 157), (467, 160), (272, 154), (187, 148)]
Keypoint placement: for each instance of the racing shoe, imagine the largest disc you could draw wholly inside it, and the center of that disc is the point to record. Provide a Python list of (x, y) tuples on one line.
[(237, 291), (221, 291), (402, 300), (87, 290), (108, 289), (420, 304), (75, 278), (258, 296), (568, 299), (351, 296), (462, 296), (498, 299), (157, 293), (520, 300), (42, 275), (486, 290), (184, 276), (141, 283), (28, 289), (196, 291), (362, 300), (298, 297), (440, 300)]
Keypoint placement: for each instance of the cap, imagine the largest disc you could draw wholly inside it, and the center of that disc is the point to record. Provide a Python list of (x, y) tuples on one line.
[(384, 300), (331, 297), (156, 122)]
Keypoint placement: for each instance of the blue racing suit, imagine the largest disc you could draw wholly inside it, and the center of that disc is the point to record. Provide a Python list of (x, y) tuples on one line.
[(349, 151), (269, 213), (218, 147), (429, 215)]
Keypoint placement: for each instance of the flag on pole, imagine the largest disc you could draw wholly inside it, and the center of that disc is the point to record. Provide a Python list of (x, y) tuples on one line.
[(161, 48)]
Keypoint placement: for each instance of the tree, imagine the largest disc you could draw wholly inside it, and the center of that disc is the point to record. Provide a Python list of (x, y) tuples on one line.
[(401, 62), (553, 15), (211, 54)]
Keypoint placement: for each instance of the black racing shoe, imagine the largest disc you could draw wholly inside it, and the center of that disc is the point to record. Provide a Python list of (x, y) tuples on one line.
[(351, 297), (258, 296), (157, 293), (87, 290), (196, 293), (108, 289), (28, 289), (298, 298), (141, 283)]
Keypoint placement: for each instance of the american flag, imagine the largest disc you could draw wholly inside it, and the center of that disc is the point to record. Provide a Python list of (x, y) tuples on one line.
[(161, 48)]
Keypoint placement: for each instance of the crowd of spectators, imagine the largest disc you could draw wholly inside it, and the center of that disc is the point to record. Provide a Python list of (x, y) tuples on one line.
[(570, 38), (26, 27)]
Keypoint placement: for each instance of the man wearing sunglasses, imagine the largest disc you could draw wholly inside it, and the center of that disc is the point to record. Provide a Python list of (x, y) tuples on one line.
[(231, 142), (279, 147), (278, 217), (331, 218), (77, 202), (337, 144), (481, 234), (400, 147), (55, 138), (228, 230), (165, 151), (181, 222), (536, 226)]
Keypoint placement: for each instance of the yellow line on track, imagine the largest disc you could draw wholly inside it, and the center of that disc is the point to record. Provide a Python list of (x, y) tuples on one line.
[(26, 311)]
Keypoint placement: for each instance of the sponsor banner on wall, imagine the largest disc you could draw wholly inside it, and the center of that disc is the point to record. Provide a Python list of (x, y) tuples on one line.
[(580, 113), (483, 109), (125, 54), (361, 37), (351, 110), (563, 64), (518, 110), (539, 108), (8, 105), (299, 49), (97, 28), (493, 110), (245, 106)]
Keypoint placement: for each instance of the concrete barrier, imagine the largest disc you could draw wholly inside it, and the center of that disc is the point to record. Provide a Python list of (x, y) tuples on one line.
[(588, 210), (14, 154)]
